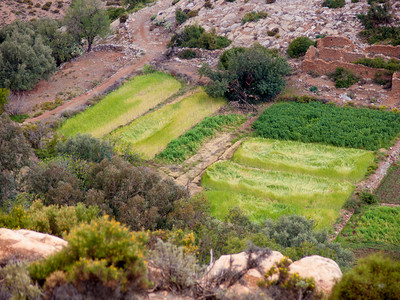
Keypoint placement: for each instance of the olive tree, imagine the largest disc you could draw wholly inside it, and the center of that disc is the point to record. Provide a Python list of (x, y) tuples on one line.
[(85, 19), (249, 76)]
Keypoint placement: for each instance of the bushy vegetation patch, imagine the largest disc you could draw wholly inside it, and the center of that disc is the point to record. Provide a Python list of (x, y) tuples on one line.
[(305, 158), (51, 219), (101, 255), (254, 16), (150, 134), (195, 36), (343, 78), (389, 188), (378, 62), (334, 3), (329, 124), (187, 54), (317, 197), (374, 277), (120, 107), (299, 46), (187, 144), (374, 227)]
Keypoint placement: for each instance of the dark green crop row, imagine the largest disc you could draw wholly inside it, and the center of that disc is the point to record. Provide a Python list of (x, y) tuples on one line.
[(339, 126), (187, 144)]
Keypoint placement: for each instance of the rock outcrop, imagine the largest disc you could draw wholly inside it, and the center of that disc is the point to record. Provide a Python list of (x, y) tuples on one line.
[(27, 245)]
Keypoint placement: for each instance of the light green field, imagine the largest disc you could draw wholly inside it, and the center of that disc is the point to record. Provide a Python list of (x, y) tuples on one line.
[(120, 107), (313, 159), (150, 134), (268, 178)]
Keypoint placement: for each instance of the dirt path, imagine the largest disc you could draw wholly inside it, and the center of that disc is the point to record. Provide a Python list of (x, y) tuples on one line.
[(153, 45)]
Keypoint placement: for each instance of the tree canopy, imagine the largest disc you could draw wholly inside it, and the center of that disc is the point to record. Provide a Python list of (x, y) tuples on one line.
[(252, 75), (86, 19)]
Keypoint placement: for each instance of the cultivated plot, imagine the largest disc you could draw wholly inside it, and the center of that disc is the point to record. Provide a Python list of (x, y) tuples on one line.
[(389, 189), (150, 134), (305, 158), (269, 178), (120, 107), (375, 228)]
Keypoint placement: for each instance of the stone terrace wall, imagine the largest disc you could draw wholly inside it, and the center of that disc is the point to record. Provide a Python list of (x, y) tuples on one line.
[(333, 52)]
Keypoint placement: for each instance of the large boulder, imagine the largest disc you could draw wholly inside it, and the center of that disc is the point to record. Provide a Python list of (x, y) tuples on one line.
[(325, 271), (27, 245)]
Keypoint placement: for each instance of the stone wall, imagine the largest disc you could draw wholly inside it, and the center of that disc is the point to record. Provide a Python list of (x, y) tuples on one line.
[(335, 42), (386, 50), (396, 84)]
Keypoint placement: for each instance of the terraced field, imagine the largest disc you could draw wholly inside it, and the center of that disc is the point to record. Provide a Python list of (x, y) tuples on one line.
[(131, 100), (374, 228), (389, 189), (271, 178), (151, 133)]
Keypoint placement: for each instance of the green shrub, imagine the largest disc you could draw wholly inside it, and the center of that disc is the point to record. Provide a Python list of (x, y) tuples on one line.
[(299, 46), (329, 124), (378, 62), (254, 16), (19, 118), (114, 13), (51, 219), (253, 76), (47, 5), (100, 254), (180, 16), (123, 18), (227, 55), (179, 270), (85, 147), (16, 282), (194, 36), (334, 3), (367, 197), (343, 78), (374, 277), (187, 54)]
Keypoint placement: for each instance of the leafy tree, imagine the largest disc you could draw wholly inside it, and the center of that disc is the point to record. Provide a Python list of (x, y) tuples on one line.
[(24, 58), (15, 153), (86, 19), (255, 75)]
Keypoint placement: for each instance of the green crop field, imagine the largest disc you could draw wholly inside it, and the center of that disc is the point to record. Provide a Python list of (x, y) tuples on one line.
[(268, 178), (389, 189), (131, 100), (375, 227), (150, 134), (312, 159), (339, 126), (187, 144)]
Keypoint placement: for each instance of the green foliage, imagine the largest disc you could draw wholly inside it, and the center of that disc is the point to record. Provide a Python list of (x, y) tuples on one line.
[(293, 286), (187, 54), (114, 13), (388, 34), (19, 118), (373, 227), (101, 253), (299, 46), (181, 16), (187, 144), (316, 122), (254, 16), (179, 270), (4, 94), (16, 282), (135, 4), (378, 14), (15, 154), (367, 197), (253, 76), (226, 56), (334, 3), (85, 147), (378, 62), (51, 219), (374, 277), (24, 57), (86, 19), (194, 36)]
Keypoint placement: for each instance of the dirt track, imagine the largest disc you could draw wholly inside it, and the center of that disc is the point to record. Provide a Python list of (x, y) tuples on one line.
[(152, 44)]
